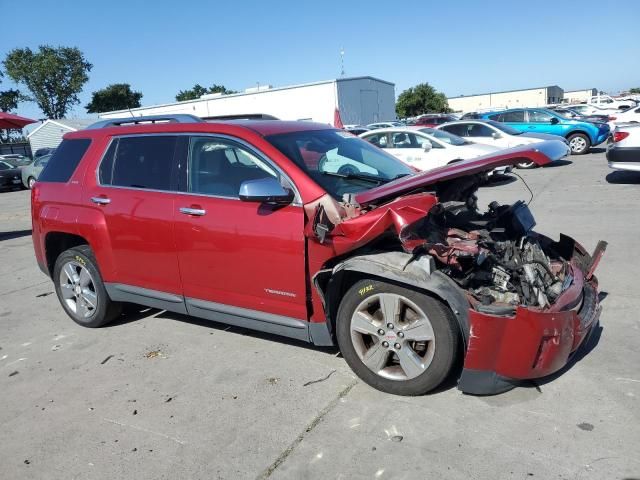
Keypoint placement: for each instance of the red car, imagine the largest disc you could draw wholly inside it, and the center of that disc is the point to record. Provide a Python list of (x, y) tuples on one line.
[(255, 224), (433, 120)]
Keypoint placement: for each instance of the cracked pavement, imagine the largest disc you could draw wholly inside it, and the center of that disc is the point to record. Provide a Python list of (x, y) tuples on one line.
[(164, 396)]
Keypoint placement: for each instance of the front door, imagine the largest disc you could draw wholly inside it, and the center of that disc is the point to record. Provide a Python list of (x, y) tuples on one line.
[(134, 195), (238, 260)]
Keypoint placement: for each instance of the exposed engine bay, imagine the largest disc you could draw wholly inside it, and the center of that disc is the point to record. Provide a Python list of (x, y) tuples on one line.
[(494, 256)]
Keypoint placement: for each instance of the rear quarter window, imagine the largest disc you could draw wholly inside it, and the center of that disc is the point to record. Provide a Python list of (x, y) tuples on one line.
[(65, 160)]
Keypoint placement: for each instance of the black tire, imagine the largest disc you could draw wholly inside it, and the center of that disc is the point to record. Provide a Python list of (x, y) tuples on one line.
[(30, 182), (105, 309), (445, 331), (581, 143)]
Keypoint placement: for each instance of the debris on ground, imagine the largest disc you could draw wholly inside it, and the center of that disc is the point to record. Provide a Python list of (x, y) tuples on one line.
[(153, 354), (272, 380), (168, 400), (587, 427), (397, 438), (46, 294), (135, 412), (56, 347), (106, 360), (15, 372), (320, 379), (27, 462)]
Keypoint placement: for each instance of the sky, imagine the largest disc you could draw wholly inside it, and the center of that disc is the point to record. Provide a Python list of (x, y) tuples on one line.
[(459, 47)]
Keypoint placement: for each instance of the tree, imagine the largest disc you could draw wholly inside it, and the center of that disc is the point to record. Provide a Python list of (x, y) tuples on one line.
[(117, 96), (53, 76), (422, 98), (9, 98), (198, 90), (634, 90)]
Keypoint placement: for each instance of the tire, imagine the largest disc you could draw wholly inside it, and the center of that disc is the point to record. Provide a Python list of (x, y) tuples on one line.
[(30, 182), (579, 143), (410, 363), (348, 170), (80, 289)]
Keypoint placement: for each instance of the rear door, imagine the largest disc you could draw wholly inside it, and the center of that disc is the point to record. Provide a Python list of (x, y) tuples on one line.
[(134, 194), (237, 258)]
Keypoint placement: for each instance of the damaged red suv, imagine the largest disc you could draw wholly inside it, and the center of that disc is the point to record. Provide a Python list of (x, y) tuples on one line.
[(302, 230)]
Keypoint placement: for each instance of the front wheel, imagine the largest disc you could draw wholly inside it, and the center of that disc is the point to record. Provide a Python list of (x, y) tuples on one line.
[(80, 289), (396, 339), (579, 143)]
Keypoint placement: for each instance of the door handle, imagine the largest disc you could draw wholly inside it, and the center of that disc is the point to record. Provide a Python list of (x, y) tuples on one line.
[(198, 212), (101, 200)]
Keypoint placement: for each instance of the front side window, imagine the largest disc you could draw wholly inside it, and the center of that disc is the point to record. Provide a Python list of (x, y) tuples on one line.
[(65, 160), (539, 116), (479, 130), (139, 162), (218, 167), (406, 140), (459, 129), (377, 139), (339, 162)]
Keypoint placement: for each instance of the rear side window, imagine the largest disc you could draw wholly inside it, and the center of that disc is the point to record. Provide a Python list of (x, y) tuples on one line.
[(139, 162), (517, 116), (64, 161)]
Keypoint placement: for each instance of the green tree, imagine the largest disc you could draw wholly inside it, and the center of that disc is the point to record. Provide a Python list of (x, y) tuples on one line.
[(117, 96), (53, 76), (9, 99), (422, 98), (198, 90), (634, 90)]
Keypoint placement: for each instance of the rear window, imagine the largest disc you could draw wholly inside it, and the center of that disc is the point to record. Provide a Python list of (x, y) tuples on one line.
[(64, 161)]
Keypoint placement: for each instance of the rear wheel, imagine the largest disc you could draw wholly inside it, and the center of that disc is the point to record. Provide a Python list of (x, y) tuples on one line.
[(31, 182), (396, 339), (579, 143), (80, 288)]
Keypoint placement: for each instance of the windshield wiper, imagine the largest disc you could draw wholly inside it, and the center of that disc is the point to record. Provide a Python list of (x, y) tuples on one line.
[(359, 176)]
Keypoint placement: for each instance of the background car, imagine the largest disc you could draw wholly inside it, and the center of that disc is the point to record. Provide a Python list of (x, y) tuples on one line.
[(16, 159), (356, 129), (425, 148), (31, 172), (628, 116), (606, 101), (373, 126), (496, 134), (43, 151), (9, 175), (570, 113), (623, 153), (433, 120), (581, 135)]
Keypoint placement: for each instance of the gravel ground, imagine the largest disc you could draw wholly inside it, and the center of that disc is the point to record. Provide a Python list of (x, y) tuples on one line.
[(161, 395)]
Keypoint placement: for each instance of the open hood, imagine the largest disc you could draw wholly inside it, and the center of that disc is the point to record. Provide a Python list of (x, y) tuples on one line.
[(540, 153)]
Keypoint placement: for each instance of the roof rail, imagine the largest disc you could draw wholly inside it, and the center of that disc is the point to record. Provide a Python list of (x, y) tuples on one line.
[(172, 118)]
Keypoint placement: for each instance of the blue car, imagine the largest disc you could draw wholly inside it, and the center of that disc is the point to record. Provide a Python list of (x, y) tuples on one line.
[(581, 134)]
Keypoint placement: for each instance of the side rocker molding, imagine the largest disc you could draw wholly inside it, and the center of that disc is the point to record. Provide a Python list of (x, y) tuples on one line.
[(398, 267)]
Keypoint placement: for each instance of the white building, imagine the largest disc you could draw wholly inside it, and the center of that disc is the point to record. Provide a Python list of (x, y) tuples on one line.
[(531, 97), (578, 96), (49, 133), (359, 100)]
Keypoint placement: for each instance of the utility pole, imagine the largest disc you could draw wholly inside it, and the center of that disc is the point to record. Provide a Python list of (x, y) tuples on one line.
[(342, 62)]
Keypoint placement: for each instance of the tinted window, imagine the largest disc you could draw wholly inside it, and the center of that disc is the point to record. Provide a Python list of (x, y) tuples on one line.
[(218, 167), (378, 139), (5, 166), (458, 129), (139, 162), (498, 117), (517, 116), (538, 116), (64, 161)]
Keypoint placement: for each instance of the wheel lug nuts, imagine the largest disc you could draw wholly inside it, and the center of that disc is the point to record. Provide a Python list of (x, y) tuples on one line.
[(390, 326), (385, 344), (401, 334), (381, 332), (397, 346)]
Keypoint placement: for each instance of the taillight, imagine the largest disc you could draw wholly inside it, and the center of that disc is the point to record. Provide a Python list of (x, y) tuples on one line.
[(618, 136), (611, 119)]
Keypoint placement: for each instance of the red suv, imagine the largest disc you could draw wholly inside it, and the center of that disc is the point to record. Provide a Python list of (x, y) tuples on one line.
[(306, 231)]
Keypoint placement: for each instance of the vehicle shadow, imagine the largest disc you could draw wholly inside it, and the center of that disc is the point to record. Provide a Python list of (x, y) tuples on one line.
[(132, 313), (498, 180), (620, 177), (14, 234), (597, 150), (559, 163)]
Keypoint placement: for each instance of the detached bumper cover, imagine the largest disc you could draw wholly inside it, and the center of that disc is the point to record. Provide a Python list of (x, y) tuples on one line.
[(533, 343)]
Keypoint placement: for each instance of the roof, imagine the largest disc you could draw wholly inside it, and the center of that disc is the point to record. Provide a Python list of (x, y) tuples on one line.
[(70, 124), (504, 91), (258, 92)]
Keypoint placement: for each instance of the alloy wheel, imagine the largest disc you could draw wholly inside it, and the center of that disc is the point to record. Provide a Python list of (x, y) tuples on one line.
[(392, 336), (578, 144), (78, 289)]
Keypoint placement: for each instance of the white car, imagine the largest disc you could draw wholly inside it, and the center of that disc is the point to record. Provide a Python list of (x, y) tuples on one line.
[(628, 116), (374, 126), (584, 109), (496, 134), (605, 101), (425, 148), (623, 153)]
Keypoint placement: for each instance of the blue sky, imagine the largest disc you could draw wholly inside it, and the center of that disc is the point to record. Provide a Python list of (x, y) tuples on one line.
[(460, 47)]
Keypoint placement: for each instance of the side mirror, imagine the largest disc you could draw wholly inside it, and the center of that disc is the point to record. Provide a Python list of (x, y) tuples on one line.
[(265, 190), (553, 120), (496, 135), (426, 146)]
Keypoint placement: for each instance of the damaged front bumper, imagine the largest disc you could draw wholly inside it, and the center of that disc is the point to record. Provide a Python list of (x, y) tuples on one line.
[(504, 350)]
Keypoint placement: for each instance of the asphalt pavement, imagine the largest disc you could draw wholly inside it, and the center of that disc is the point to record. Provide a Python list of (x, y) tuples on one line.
[(164, 396)]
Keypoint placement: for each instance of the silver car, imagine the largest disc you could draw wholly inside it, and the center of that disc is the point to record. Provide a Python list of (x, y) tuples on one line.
[(31, 172)]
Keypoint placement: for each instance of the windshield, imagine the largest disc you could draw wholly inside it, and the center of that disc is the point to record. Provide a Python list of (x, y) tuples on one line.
[(339, 162), (445, 137), (505, 128)]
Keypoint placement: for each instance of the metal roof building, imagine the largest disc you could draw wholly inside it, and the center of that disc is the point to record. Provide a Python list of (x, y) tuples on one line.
[(530, 97), (49, 134)]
